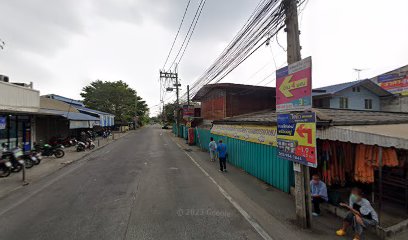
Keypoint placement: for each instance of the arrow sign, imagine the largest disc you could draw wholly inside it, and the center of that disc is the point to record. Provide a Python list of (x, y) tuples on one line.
[(287, 85), (301, 130), (294, 87)]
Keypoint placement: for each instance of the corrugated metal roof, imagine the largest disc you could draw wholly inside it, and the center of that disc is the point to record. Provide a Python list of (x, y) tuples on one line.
[(337, 117), (333, 89), (392, 135), (70, 115), (64, 99), (92, 110), (48, 103)]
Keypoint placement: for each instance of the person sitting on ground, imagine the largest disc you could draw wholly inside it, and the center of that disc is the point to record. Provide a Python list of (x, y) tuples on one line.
[(213, 149), (319, 193), (222, 155), (361, 214)]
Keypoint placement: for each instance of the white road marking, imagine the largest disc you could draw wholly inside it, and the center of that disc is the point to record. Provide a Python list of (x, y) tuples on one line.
[(248, 217)]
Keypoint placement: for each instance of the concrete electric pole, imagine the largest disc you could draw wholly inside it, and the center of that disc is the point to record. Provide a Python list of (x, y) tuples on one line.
[(188, 95), (173, 76), (302, 188)]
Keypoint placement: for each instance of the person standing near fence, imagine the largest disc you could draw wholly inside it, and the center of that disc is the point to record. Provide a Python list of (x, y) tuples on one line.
[(213, 149), (222, 155)]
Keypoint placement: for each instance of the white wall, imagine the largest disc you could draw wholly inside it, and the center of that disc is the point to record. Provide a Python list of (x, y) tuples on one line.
[(17, 98)]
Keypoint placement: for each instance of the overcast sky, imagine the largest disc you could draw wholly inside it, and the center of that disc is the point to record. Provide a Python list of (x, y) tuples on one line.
[(63, 45)]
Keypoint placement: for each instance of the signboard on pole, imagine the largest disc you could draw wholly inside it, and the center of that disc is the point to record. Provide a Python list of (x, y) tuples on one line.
[(294, 86), (297, 138), (3, 123), (188, 111)]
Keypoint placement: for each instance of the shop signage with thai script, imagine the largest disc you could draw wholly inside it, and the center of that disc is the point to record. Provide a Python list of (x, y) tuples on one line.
[(297, 138), (257, 134)]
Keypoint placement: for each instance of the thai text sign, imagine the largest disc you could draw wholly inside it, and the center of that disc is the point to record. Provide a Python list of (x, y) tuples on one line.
[(257, 134), (188, 111), (396, 86), (297, 138), (294, 86)]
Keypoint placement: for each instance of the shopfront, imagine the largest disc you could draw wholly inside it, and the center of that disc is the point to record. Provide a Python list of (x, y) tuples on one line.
[(15, 130), (18, 106)]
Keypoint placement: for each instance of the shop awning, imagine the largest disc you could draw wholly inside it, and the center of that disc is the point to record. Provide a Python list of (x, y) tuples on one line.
[(391, 135), (77, 120)]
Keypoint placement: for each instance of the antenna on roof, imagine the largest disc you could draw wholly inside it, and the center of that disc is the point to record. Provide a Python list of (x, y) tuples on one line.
[(359, 70)]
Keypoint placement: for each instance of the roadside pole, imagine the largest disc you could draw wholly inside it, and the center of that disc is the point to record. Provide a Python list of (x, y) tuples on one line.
[(302, 188)]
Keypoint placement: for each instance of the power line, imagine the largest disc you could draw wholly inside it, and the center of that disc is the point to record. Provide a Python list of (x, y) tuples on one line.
[(178, 31), (189, 30), (188, 41), (267, 19)]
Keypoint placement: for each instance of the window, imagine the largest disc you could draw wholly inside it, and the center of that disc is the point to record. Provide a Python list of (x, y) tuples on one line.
[(356, 89), (368, 103), (343, 102)]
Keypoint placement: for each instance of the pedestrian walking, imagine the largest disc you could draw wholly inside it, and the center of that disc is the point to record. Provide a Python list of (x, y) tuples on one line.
[(222, 156), (361, 215), (213, 149)]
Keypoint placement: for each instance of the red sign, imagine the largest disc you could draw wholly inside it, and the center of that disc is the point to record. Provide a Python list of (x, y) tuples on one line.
[(188, 111)]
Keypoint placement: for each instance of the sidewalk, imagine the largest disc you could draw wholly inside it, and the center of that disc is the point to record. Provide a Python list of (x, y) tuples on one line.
[(49, 165), (273, 209)]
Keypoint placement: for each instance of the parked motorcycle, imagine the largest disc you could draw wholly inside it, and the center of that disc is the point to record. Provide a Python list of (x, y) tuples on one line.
[(48, 150), (15, 157), (37, 156), (32, 158), (88, 144), (5, 167)]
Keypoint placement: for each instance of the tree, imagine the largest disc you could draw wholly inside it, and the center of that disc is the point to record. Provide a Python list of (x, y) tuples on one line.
[(116, 98), (168, 113)]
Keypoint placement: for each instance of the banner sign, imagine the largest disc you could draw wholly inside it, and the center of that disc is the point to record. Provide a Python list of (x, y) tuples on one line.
[(257, 134), (388, 77), (188, 111), (294, 86), (398, 86), (297, 138), (3, 123)]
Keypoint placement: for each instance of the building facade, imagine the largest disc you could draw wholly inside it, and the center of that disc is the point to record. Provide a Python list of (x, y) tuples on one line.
[(223, 100), (18, 107), (357, 95), (396, 82)]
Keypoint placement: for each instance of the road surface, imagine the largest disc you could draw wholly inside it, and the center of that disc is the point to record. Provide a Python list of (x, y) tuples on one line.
[(143, 186)]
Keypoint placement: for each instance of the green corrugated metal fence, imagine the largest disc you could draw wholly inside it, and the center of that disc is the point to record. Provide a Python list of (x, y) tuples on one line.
[(258, 160)]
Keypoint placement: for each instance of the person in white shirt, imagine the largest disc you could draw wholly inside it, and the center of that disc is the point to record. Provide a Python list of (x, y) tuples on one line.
[(361, 215), (213, 149)]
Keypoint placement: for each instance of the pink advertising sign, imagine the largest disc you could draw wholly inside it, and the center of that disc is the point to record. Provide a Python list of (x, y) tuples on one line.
[(294, 86)]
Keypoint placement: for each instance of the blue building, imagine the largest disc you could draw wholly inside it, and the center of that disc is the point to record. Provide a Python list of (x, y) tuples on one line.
[(105, 119), (357, 95)]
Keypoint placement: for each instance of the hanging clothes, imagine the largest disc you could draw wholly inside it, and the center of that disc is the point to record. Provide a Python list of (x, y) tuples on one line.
[(367, 160)]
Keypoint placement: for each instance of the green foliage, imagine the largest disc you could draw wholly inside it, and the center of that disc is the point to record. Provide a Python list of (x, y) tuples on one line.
[(116, 98), (168, 113)]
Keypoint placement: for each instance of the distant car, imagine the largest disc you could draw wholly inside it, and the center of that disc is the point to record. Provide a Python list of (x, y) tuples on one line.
[(165, 126)]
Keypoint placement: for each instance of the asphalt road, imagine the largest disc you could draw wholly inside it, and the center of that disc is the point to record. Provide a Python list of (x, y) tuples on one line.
[(140, 187)]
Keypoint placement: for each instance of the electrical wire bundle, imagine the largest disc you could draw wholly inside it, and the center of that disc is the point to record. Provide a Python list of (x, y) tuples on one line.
[(267, 19), (264, 23)]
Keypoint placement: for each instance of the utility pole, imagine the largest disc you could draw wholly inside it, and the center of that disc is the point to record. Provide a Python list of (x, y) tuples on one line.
[(173, 76), (136, 118), (302, 188), (188, 95)]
